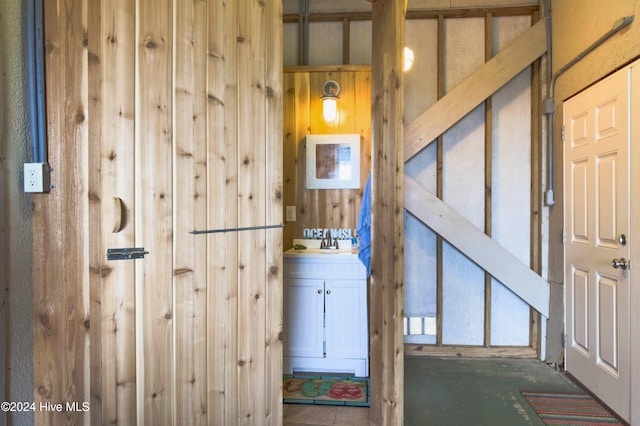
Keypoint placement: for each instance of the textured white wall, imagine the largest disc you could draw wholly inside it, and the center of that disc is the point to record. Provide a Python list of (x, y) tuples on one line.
[(463, 188), (511, 197), (463, 177), (16, 322), (421, 91)]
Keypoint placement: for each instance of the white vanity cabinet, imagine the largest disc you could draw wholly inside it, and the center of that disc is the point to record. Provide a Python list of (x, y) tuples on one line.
[(325, 313)]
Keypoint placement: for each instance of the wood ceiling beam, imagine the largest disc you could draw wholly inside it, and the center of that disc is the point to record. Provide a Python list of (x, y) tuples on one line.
[(485, 81)]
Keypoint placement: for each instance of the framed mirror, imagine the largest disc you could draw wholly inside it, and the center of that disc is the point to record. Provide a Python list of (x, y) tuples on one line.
[(333, 161)]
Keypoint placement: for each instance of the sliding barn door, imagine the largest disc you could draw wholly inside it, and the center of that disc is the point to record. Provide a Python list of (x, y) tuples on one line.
[(597, 271), (181, 102)]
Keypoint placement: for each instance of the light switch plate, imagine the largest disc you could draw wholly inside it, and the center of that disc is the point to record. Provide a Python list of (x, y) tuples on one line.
[(291, 214)]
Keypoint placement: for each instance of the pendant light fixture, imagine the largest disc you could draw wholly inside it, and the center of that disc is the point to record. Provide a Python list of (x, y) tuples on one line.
[(330, 91)]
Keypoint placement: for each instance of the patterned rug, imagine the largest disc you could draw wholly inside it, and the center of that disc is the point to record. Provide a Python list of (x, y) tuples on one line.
[(569, 409), (325, 390)]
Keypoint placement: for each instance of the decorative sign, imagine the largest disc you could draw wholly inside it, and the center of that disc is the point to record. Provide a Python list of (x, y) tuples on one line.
[(318, 233)]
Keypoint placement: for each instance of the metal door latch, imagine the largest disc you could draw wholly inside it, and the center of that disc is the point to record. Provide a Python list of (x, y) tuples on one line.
[(126, 253)]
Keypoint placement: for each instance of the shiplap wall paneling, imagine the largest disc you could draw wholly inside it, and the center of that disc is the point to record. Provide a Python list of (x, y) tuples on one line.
[(251, 212), (323, 208), (335, 208), (154, 210), (327, 206), (296, 126), (292, 153), (183, 126), (362, 126), (222, 248), (61, 265), (190, 207), (274, 215), (94, 32), (94, 92), (114, 354)]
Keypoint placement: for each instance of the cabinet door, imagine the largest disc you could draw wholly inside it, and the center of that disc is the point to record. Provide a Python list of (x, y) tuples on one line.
[(346, 319), (303, 318)]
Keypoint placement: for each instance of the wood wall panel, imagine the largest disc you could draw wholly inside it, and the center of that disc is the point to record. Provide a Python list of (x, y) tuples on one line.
[(174, 107), (274, 215), (323, 208), (190, 188), (95, 107), (61, 245), (223, 247), (114, 121), (251, 212), (154, 209)]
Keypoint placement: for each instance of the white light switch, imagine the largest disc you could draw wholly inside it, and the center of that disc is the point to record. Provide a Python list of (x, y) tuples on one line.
[(291, 214)]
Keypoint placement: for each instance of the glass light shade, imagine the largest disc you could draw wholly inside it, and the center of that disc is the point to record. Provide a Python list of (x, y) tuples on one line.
[(408, 59), (329, 109)]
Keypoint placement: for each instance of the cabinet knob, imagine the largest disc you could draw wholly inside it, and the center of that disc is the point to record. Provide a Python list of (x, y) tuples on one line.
[(319, 291), (328, 291)]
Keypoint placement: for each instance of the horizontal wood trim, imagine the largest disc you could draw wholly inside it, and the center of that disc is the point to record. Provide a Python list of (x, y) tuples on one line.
[(479, 12), (473, 243), (470, 351), (327, 68), (418, 14), (328, 17), (485, 81)]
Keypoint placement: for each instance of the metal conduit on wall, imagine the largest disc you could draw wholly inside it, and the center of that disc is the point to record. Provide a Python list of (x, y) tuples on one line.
[(619, 25)]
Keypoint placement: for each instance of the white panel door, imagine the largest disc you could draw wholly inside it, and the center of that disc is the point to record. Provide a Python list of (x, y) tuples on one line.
[(597, 291)]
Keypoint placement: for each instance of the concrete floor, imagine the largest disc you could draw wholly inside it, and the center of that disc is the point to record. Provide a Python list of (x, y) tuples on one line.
[(451, 392)]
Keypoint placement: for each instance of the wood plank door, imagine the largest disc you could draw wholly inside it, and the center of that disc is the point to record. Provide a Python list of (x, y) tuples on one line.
[(597, 291), (186, 110)]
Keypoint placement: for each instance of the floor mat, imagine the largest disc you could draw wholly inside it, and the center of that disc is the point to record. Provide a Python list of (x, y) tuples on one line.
[(569, 409), (325, 390)]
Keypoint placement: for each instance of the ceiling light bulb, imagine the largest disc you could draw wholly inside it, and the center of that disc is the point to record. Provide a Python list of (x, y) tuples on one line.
[(408, 59), (329, 109)]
